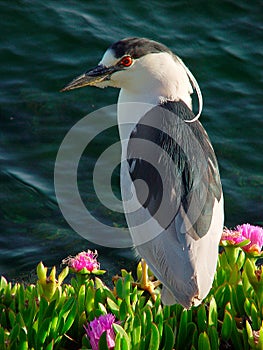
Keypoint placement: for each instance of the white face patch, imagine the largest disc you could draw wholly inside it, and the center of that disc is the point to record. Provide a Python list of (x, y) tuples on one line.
[(109, 59)]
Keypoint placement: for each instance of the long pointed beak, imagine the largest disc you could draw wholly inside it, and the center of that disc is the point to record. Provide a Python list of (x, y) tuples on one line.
[(91, 78)]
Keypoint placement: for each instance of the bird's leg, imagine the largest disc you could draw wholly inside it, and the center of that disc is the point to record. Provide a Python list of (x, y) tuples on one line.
[(146, 282)]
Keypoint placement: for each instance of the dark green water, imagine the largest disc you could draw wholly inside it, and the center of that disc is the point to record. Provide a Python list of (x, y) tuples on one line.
[(46, 43)]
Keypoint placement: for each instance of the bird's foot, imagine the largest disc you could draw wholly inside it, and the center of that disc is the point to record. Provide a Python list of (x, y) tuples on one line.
[(147, 281)]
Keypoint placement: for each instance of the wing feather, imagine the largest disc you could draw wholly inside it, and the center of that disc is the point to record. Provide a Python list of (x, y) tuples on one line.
[(189, 181)]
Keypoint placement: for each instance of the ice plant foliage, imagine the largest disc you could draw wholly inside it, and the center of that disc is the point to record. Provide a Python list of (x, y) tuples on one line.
[(97, 327), (247, 236), (84, 261), (49, 284), (43, 315)]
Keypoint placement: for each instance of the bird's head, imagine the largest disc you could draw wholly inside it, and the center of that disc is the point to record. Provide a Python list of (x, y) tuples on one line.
[(122, 62), (141, 67)]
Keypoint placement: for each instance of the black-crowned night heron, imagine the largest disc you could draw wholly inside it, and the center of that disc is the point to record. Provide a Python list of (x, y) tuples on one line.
[(170, 181)]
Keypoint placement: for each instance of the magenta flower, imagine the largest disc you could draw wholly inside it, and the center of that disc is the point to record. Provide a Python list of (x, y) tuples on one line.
[(249, 237), (254, 234), (233, 237), (95, 328), (84, 260)]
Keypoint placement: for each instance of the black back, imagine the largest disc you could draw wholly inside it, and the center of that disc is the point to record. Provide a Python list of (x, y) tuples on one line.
[(182, 174)]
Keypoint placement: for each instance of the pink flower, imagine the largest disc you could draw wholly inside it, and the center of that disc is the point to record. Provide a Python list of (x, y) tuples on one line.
[(233, 237), (84, 260), (254, 234), (99, 325), (246, 232)]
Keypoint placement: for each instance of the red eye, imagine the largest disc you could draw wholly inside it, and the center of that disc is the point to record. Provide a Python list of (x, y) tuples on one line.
[(126, 61)]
